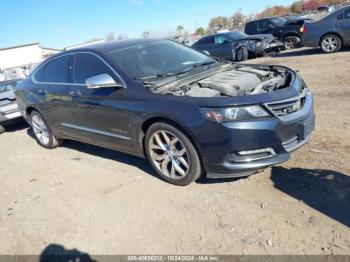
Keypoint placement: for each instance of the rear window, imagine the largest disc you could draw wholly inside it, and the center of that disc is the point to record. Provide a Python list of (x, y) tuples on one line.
[(55, 71), (206, 41), (250, 28)]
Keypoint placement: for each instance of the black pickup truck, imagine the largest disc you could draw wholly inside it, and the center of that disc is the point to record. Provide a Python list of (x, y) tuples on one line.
[(286, 30)]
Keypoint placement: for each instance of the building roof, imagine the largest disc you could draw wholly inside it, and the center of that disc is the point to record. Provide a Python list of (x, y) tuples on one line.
[(18, 46), (25, 45)]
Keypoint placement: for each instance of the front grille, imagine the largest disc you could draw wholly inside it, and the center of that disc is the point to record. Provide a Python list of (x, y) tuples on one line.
[(286, 107)]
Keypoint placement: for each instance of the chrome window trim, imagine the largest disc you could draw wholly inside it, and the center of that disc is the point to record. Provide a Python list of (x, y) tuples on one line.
[(32, 76), (95, 131)]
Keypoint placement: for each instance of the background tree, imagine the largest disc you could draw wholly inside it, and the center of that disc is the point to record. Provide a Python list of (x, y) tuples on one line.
[(110, 36), (201, 31), (296, 7), (219, 22), (179, 30), (145, 34), (238, 18)]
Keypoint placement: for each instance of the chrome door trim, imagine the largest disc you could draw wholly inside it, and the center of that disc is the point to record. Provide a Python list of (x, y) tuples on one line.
[(95, 131)]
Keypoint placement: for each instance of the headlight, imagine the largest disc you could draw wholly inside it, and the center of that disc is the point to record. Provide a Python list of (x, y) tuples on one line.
[(6, 88), (234, 113)]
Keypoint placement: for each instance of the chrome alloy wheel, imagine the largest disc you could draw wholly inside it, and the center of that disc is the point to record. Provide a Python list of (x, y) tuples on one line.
[(40, 130), (169, 155), (330, 44)]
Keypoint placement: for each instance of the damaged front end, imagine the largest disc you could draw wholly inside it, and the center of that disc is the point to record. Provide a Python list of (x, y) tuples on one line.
[(264, 44), (228, 81)]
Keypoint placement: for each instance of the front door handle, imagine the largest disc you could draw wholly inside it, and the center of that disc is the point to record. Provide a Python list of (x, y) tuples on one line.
[(75, 93)]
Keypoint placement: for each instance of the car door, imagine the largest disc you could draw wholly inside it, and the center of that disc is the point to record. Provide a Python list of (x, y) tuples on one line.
[(52, 81), (206, 45), (101, 115), (223, 47)]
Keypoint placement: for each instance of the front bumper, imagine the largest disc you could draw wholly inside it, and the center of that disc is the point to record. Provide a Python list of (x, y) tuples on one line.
[(9, 111), (247, 146)]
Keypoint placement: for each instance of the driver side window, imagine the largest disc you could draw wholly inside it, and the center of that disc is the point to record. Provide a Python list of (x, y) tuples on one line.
[(264, 25), (221, 39), (87, 65)]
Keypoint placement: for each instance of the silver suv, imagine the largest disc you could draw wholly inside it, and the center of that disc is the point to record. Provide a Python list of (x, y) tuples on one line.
[(9, 111)]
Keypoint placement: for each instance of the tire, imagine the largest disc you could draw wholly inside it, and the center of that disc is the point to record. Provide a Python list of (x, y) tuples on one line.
[(241, 54), (291, 42), (42, 132), (2, 129), (172, 154), (330, 43)]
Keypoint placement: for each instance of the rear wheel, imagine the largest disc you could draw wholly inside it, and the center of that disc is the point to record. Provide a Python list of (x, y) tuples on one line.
[(331, 43), (172, 154), (2, 129), (42, 132), (291, 42), (241, 54)]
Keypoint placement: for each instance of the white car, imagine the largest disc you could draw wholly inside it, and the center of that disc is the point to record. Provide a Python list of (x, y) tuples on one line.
[(9, 111)]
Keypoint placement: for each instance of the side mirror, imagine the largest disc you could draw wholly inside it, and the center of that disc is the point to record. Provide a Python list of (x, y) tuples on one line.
[(225, 42), (101, 81), (271, 26)]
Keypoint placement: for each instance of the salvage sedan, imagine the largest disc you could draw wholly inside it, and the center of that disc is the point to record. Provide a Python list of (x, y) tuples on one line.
[(237, 46), (186, 112)]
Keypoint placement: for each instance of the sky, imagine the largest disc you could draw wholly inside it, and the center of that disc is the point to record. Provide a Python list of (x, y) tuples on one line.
[(60, 23)]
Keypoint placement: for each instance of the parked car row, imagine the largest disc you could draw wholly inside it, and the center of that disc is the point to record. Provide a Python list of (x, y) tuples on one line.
[(270, 35), (237, 46)]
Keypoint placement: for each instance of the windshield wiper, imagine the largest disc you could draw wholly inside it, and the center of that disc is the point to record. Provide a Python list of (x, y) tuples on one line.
[(161, 75)]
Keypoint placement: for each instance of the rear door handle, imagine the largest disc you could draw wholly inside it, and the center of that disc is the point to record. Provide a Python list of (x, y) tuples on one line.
[(75, 93), (42, 92)]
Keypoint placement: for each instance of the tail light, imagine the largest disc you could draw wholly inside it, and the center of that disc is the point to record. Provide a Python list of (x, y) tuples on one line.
[(303, 29)]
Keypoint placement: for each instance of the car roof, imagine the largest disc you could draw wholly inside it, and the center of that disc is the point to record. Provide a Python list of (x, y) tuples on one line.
[(105, 46)]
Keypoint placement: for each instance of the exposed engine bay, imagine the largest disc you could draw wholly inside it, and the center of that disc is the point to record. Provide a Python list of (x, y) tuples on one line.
[(238, 81)]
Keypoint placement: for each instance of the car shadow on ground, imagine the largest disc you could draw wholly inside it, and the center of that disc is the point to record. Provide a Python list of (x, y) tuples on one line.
[(20, 125), (59, 253), (114, 155), (327, 191), (304, 52)]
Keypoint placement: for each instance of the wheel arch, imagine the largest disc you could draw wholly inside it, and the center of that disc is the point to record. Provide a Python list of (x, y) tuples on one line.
[(154, 119), (290, 33)]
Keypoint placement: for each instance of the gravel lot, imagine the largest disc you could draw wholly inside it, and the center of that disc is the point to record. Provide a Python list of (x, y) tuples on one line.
[(103, 202)]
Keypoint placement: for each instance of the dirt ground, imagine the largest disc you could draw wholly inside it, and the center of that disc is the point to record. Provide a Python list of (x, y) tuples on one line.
[(103, 202)]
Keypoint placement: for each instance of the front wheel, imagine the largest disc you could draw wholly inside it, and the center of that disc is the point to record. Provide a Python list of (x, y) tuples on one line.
[(42, 132), (291, 42), (172, 154), (241, 54), (331, 43)]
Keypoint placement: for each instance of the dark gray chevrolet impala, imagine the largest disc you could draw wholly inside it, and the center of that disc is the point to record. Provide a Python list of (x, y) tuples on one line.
[(189, 114)]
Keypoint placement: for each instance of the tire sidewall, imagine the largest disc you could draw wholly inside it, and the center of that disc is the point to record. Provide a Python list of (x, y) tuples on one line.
[(241, 54), (297, 42), (195, 170), (338, 45), (51, 143)]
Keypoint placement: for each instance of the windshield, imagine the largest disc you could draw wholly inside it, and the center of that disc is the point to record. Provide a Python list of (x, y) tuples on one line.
[(279, 21), (157, 58)]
